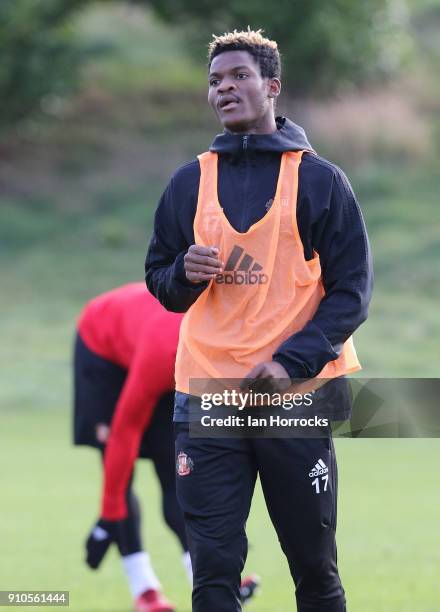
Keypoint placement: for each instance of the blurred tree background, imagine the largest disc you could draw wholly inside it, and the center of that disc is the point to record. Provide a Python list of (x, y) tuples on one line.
[(99, 103), (39, 54), (324, 45)]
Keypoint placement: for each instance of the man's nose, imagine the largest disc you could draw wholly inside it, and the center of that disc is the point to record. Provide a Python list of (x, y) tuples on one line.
[(226, 85)]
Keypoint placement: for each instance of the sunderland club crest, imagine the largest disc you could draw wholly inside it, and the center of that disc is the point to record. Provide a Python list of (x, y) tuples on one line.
[(184, 464)]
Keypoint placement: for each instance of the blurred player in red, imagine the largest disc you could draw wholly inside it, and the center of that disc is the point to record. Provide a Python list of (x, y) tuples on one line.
[(124, 378)]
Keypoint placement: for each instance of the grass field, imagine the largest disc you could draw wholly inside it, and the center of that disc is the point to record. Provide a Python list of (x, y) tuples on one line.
[(389, 543)]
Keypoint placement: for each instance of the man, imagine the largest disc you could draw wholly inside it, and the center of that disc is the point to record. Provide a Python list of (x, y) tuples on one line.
[(263, 244), (124, 376), (123, 367)]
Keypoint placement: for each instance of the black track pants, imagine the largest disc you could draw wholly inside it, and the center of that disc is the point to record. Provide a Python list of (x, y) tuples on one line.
[(215, 484)]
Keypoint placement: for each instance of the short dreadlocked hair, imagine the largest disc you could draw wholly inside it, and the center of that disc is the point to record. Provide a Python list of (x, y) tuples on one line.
[(263, 50)]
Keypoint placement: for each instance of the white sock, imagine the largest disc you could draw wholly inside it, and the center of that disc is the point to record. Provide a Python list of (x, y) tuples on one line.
[(140, 573), (186, 560)]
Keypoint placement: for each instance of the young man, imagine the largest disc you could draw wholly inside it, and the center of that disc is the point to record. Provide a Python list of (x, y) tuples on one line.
[(124, 377), (259, 205)]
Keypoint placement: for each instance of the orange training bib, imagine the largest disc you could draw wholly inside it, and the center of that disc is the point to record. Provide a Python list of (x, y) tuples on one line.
[(267, 291)]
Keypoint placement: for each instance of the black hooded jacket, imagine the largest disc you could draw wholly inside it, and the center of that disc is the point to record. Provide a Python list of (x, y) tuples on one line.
[(329, 221)]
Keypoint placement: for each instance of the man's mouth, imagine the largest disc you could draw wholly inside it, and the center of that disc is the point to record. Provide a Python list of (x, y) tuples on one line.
[(228, 103)]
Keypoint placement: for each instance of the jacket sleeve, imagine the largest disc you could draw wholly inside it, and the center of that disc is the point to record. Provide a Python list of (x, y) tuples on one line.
[(340, 238), (150, 375), (173, 234)]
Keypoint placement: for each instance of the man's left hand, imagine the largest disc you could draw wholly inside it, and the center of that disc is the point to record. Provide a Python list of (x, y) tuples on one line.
[(267, 377)]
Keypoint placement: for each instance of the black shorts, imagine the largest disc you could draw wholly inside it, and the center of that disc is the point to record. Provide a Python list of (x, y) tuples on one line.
[(97, 386)]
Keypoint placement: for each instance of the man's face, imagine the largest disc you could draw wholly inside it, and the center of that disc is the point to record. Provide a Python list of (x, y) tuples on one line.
[(241, 98)]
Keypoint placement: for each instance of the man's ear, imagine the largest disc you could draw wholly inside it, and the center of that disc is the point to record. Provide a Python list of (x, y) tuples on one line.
[(273, 88)]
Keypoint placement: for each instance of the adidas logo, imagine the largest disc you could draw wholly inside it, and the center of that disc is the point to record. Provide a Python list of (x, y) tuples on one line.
[(238, 270), (319, 469)]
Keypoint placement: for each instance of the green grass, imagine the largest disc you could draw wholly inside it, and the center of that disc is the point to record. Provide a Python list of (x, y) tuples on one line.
[(403, 331), (388, 541)]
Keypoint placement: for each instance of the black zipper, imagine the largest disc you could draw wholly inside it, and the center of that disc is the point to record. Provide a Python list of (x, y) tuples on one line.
[(245, 182)]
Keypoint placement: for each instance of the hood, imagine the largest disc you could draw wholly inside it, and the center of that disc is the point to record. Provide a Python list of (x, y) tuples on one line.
[(288, 137)]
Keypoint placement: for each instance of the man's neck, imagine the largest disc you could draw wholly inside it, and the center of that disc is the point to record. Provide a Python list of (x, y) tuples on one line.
[(266, 126)]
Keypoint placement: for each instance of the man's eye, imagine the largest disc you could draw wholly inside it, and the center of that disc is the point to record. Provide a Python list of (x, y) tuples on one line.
[(213, 82), (242, 75)]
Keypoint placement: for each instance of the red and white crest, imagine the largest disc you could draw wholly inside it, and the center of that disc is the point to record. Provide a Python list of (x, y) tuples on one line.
[(184, 464)]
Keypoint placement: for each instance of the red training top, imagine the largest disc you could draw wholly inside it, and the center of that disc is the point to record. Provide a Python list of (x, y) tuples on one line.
[(129, 327)]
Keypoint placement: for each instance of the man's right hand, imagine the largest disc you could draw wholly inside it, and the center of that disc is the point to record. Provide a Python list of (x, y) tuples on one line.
[(202, 264)]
